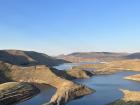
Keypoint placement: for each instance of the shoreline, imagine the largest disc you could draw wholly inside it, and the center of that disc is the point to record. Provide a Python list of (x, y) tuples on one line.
[(65, 88), (15, 92), (133, 77), (129, 98)]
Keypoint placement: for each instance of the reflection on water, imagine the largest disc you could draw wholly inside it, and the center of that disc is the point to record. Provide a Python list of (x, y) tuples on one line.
[(43, 97), (107, 88)]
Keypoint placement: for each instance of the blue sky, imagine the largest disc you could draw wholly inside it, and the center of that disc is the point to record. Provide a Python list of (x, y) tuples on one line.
[(65, 26)]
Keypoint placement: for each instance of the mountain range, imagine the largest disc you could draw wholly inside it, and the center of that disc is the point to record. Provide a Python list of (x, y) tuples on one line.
[(94, 56)]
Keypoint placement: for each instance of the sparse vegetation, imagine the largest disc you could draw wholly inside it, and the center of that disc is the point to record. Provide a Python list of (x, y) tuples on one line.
[(130, 98), (112, 66)]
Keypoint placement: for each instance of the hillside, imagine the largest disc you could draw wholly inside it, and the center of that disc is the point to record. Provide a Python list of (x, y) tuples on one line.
[(92, 56), (97, 54), (129, 98), (112, 66), (134, 77), (66, 90), (13, 92), (133, 56), (26, 58)]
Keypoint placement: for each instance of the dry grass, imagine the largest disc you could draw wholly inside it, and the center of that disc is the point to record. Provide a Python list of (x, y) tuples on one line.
[(131, 95), (7, 85), (113, 66), (134, 77), (129, 98)]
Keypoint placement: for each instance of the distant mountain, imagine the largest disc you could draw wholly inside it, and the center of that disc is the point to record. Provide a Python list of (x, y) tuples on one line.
[(133, 56), (26, 58), (92, 56), (97, 54)]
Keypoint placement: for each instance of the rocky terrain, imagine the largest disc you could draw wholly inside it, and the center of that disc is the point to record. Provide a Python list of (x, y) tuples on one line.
[(129, 98), (68, 92), (66, 89), (22, 68), (80, 73), (12, 92)]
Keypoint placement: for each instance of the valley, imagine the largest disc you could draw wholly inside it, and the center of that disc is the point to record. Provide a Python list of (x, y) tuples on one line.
[(68, 81)]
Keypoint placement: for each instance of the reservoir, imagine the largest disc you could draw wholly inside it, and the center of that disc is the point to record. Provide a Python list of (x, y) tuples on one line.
[(107, 88), (44, 96)]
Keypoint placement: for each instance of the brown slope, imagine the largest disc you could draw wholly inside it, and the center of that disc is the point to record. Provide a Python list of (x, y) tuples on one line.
[(133, 56), (129, 98), (66, 89), (92, 56), (26, 58), (13, 92)]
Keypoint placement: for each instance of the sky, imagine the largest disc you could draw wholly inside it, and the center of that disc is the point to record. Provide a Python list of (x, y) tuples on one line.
[(64, 26)]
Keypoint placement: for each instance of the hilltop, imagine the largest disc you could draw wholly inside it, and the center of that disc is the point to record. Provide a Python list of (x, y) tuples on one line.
[(41, 74), (133, 56), (28, 58), (92, 56), (98, 56)]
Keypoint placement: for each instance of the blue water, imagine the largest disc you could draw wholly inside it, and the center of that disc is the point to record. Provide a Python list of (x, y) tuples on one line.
[(43, 97), (106, 86), (68, 66)]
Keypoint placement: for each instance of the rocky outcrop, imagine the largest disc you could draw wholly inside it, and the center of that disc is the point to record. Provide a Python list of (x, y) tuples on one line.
[(130, 98), (66, 89), (13, 92), (80, 73), (75, 73), (69, 92)]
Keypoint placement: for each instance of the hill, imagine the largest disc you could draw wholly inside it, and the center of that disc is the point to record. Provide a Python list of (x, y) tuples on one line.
[(133, 56), (92, 56), (129, 98), (66, 90), (26, 58)]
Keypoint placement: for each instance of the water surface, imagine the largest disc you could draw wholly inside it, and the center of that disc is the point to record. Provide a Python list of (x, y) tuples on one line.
[(107, 88), (68, 66), (43, 97)]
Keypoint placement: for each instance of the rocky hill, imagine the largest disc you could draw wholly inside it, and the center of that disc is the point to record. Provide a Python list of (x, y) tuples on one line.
[(66, 90), (12, 92), (28, 58)]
